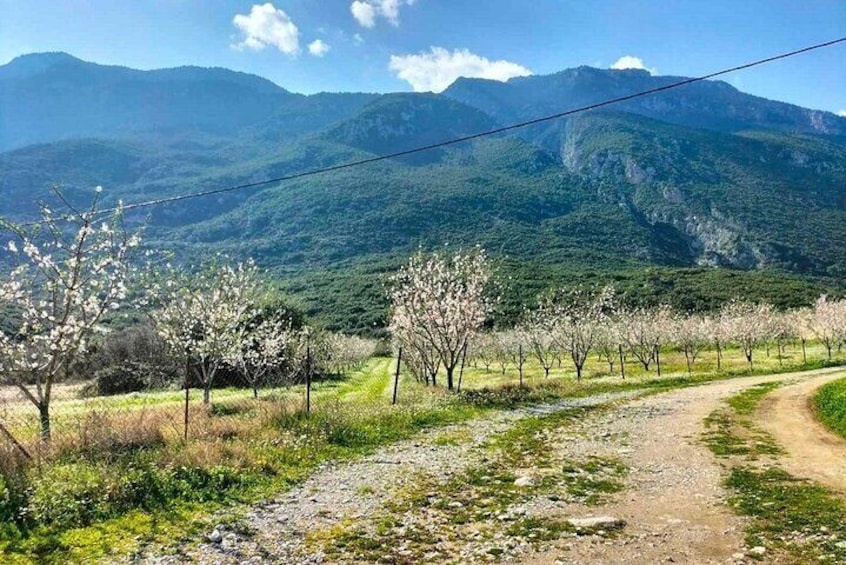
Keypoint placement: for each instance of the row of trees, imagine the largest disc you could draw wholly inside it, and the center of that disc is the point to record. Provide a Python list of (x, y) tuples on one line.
[(71, 272), (440, 304)]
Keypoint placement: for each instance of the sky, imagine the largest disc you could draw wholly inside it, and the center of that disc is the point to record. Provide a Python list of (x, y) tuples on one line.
[(397, 45)]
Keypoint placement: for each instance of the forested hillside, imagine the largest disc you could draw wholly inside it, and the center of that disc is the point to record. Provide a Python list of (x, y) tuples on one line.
[(688, 195)]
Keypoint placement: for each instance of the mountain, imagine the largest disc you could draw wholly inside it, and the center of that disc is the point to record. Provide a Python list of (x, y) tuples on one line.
[(690, 195), (54, 96), (707, 104)]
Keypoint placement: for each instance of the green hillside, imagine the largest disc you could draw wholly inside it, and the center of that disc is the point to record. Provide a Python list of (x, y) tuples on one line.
[(733, 195)]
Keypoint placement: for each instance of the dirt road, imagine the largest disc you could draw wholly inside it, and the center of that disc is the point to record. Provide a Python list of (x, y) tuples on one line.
[(673, 502), (811, 450)]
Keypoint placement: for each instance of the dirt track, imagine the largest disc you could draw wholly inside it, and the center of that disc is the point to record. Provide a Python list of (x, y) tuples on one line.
[(673, 502), (811, 450)]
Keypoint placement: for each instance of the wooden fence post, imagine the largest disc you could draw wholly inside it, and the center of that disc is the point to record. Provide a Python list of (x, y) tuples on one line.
[(397, 375)]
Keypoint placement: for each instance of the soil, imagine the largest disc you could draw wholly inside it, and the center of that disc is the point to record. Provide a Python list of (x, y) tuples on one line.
[(673, 502), (811, 450)]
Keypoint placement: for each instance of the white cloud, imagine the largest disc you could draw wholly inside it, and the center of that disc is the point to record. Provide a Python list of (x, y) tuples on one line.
[(266, 26), (366, 11), (842, 113), (629, 62), (358, 39), (437, 69), (318, 48)]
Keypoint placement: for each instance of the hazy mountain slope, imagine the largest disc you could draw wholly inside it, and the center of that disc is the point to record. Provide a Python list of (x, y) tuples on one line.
[(49, 97), (708, 104), (703, 176)]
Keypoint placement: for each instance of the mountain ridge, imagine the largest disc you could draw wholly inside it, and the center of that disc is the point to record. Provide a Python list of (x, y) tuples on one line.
[(702, 177)]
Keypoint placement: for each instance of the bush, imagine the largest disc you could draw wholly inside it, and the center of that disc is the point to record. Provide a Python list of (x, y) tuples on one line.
[(830, 403), (130, 376), (131, 360)]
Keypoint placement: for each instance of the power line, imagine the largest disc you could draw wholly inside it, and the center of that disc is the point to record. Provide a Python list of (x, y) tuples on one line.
[(495, 131)]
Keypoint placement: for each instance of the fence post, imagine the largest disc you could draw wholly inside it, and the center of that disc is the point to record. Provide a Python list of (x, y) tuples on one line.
[(622, 364), (13, 440), (187, 399), (397, 375), (308, 378)]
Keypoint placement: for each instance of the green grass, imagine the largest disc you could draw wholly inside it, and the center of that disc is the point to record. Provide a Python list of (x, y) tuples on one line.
[(797, 520), (473, 504), (830, 405), (99, 490)]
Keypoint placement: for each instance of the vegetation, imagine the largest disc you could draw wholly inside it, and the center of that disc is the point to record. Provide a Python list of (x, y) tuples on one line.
[(796, 519), (830, 404)]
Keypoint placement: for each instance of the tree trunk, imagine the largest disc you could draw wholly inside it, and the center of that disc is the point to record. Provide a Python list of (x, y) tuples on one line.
[(546, 372), (44, 419), (687, 358), (719, 357), (804, 355), (255, 391), (658, 359), (449, 371), (520, 360), (207, 393), (578, 372)]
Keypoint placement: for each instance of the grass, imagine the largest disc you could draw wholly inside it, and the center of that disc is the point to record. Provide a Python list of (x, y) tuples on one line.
[(470, 507), (797, 520), (830, 405), (119, 475)]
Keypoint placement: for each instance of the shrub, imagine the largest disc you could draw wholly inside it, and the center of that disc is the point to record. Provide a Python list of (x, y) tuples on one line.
[(131, 360)]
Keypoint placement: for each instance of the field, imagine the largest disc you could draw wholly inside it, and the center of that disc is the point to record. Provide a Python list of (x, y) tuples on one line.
[(120, 478)]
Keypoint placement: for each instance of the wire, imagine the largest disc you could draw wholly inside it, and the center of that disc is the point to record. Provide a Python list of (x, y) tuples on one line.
[(495, 131)]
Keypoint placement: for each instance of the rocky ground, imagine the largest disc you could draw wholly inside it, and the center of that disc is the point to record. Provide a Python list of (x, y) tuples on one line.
[(648, 492)]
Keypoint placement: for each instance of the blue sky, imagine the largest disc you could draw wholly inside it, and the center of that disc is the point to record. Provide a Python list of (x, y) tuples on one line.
[(387, 45)]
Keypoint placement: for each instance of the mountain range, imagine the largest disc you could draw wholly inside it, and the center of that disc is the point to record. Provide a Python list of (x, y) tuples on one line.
[(694, 193)]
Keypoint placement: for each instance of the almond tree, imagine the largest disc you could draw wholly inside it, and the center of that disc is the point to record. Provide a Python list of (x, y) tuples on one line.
[(580, 318), (540, 328), (782, 329), (827, 322), (346, 351), (747, 324), (718, 330), (482, 348), (203, 315), (690, 334), (263, 347), (609, 343), (514, 343), (72, 270), (439, 303), (802, 323), (637, 334), (502, 350)]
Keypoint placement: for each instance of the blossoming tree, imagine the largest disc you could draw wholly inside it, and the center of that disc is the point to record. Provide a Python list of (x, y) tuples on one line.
[(204, 315), (439, 302), (72, 268)]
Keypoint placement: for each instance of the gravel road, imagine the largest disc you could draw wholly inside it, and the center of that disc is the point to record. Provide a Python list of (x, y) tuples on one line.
[(672, 503)]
